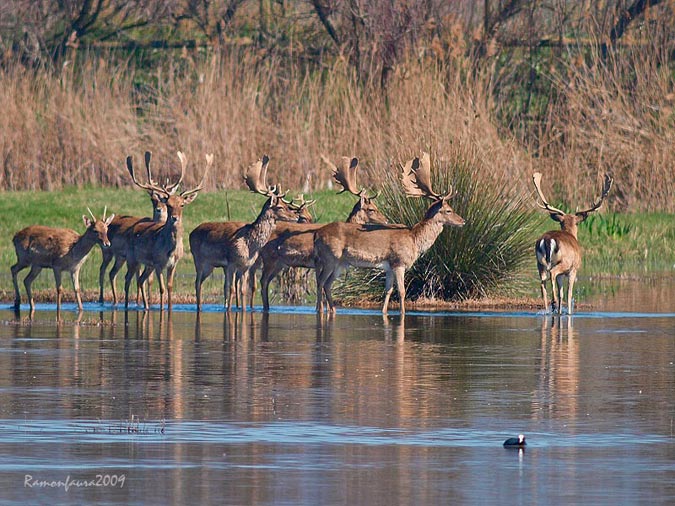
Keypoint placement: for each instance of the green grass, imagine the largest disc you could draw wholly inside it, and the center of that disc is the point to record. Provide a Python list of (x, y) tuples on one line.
[(65, 209), (613, 244)]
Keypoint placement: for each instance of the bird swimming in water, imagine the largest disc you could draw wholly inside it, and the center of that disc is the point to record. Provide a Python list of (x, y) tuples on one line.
[(515, 442)]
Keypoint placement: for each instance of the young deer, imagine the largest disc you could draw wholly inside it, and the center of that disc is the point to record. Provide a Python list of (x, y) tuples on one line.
[(393, 249), (558, 251), (118, 231), (159, 246), (234, 246), (59, 249), (292, 244)]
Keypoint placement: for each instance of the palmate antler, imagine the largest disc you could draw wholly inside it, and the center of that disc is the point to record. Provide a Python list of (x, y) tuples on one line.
[(345, 176), (256, 179), (416, 179)]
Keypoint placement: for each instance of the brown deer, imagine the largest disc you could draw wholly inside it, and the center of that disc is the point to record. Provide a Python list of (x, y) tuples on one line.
[(292, 244), (558, 251), (234, 246), (118, 231), (159, 246), (393, 249), (60, 249)]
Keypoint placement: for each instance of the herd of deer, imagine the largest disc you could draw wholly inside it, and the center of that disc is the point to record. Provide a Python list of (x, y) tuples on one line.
[(282, 235)]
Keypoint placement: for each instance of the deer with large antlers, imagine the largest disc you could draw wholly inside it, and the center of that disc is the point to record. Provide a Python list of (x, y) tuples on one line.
[(159, 246), (292, 244), (558, 251), (59, 249), (393, 249), (234, 246), (118, 231)]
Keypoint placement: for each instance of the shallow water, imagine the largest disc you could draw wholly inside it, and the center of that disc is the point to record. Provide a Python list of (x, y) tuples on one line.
[(291, 408)]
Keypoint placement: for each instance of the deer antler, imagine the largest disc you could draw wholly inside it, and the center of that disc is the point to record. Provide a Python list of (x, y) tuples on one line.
[(605, 190), (542, 202), (345, 175), (149, 186), (209, 163), (256, 177), (303, 203), (416, 179)]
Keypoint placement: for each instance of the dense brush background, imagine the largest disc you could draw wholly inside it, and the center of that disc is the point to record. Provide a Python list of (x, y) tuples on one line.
[(569, 88)]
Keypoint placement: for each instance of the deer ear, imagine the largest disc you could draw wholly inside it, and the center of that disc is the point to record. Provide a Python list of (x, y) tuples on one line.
[(190, 198), (87, 221), (579, 217), (108, 221), (556, 217)]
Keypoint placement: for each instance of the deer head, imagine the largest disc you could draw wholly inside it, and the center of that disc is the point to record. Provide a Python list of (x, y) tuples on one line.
[(256, 180), (99, 228), (167, 194), (569, 222), (302, 209), (365, 211), (416, 181)]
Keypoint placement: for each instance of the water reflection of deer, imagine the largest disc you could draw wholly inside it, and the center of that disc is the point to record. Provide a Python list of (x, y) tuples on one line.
[(559, 370)]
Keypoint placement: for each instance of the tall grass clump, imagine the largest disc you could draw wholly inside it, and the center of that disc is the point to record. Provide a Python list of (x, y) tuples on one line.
[(486, 255)]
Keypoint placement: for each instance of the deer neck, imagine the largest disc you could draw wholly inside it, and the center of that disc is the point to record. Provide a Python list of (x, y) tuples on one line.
[(83, 246), (569, 225), (425, 234), (261, 230)]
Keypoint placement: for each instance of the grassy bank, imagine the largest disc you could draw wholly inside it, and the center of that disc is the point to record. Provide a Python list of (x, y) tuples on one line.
[(614, 243)]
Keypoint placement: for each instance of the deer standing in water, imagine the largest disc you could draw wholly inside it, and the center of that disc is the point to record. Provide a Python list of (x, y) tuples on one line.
[(59, 249), (159, 246), (393, 249), (558, 251), (234, 246), (118, 231), (292, 244)]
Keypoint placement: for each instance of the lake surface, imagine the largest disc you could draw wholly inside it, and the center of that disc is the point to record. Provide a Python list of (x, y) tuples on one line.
[(292, 408)]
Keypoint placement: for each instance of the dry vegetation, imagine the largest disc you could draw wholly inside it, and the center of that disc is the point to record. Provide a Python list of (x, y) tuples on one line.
[(510, 86)]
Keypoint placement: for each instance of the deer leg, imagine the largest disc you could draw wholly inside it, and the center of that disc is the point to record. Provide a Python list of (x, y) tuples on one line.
[(323, 276), (132, 270), (16, 268), (170, 271), (543, 276), (59, 290), (319, 288), (107, 258), (227, 287), (399, 275), (141, 280), (328, 289), (388, 288), (119, 262), (199, 279), (570, 287), (560, 279), (28, 281), (243, 288), (75, 276), (268, 274), (251, 282)]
